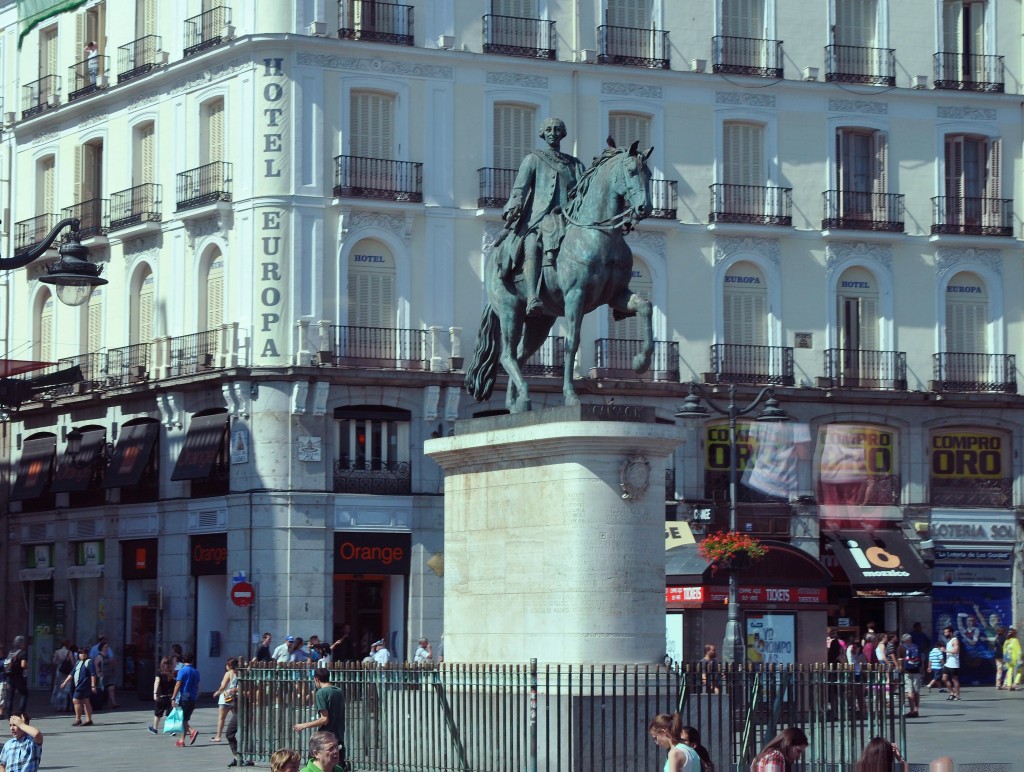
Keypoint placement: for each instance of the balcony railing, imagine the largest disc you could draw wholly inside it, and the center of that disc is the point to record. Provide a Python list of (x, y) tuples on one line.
[(382, 347), (739, 363), (207, 30), (192, 354), (751, 204), (549, 359), (380, 477), (94, 216), (127, 365), (28, 233), (865, 369), (747, 56), (136, 205), (858, 64), (137, 58), (632, 46), (613, 358), (87, 77), (972, 216), (957, 371), (856, 210), (495, 186), (971, 492), (40, 95), (973, 72), (204, 185), (515, 36), (376, 22), (93, 367), (378, 178), (664, 199)]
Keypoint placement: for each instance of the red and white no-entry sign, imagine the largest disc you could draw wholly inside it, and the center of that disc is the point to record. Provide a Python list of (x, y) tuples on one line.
[(242, 594)]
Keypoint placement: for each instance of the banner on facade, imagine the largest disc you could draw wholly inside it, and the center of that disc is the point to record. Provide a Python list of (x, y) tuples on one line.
[(32, 12)]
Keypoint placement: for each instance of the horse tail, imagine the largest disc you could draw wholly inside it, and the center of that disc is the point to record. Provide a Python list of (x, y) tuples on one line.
[(483, 370)]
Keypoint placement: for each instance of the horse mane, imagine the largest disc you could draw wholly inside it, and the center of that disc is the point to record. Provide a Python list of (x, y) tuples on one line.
[(580, 191)]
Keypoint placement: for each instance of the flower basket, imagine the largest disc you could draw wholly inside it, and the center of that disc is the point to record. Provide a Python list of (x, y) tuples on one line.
[(732, 550)]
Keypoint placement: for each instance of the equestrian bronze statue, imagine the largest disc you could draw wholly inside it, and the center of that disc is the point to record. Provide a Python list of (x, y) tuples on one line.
[(562, 253)]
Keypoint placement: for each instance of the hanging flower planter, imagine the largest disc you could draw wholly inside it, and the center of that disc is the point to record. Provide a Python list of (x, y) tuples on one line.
[(731, 550)]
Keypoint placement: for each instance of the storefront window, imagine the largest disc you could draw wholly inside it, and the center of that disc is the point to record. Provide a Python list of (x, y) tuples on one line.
[(970, 468)]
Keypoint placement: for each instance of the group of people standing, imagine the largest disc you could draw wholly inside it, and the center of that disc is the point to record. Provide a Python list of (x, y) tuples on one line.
[(85, 679)]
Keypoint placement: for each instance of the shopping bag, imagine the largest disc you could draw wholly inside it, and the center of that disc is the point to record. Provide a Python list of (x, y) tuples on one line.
[(174, 722)]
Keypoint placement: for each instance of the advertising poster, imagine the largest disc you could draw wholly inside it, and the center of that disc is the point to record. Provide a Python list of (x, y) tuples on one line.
[(674, 638), (856, 467), (974, 613), (771, 639)]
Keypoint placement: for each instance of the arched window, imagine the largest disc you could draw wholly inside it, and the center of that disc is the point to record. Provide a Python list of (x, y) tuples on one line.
[(967, 314), (142, 307), (745, 306), (371, 285), (211, 314)]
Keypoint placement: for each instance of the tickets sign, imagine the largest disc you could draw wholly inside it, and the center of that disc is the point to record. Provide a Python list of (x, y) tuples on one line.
[(754, 595), (968, 455)]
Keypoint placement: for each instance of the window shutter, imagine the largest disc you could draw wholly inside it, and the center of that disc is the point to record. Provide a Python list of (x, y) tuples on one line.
[(513, 134), (90, 160), (952, 27), (45, 352), (215, 294), (625, 127), (629, 13), (954, 152), (965, 327), (81, 36), (371, 299), (215, 125), (521, 9), (146, 154), (868, 324), (371, 125), (855, 23), (881, 153), (144, 322), (145, 18), (743, 19), (744, 322), (48, 52), (976, 19), (79, 172), (743, 154), (95, 324), (993, 166), (46, 192)]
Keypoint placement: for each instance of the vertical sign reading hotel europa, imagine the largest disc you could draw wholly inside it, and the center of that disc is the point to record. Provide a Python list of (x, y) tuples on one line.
[(272, 178)]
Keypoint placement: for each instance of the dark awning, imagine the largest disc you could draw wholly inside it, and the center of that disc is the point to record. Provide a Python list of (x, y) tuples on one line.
[(34, 468), (879, 563), (75, 474), (134, 446), (203, 443), (9, 367)]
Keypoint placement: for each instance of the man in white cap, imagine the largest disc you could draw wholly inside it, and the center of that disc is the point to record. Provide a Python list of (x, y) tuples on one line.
[(380, 654), (283, 653)]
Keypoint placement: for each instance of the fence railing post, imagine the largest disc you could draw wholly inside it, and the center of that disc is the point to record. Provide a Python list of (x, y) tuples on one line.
[(533, 715)]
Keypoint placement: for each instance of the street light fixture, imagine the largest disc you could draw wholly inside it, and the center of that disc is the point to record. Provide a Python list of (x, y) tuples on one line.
[(73, 276), (693, 413)]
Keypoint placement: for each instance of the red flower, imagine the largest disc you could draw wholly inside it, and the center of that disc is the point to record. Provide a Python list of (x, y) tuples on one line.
[(725, 545)]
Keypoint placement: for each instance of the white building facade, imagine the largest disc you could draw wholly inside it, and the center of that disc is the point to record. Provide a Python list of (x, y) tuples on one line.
[(293, 204)]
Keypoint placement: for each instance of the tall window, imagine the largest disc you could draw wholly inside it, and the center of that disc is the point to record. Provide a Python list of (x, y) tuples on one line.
[(514, 134), (142, 306), (626, 127), (745, 306), (972, 175), (744, 169), (743, 19), (92, 25), (43, 332), (94, 322), (371, 285), (89, 171), (144, 153), (211, 138), (967, 314), (642, 284), (521, 9), (629, 13), (856, 23), (145, 18), (371, 125), (857, 322), (214, 293), (46, 180), (373, 438), (963, 27), (48, 51), (861, 166)]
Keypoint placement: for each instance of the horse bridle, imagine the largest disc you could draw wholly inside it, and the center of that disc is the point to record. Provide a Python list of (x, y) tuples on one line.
[(625, 220)]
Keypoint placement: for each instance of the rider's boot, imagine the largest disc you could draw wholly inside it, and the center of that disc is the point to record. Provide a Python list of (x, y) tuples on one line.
[(531, 265)]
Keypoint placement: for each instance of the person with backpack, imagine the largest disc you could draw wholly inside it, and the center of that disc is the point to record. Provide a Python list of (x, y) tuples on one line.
[(908, 657)]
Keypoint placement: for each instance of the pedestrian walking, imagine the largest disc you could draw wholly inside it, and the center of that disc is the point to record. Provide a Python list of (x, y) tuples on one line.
[(163, 687), (781, 752), (63, 663), (24, 751), (997, 654), (83, 685), (935, 659), (1012, 654), (186, 692), (329, 703), (16, 670), (225, 695), (263, 652), (881, 755), (109, 675), (667, 732), (951, 668)]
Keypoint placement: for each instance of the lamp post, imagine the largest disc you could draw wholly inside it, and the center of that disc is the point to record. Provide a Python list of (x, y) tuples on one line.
[(693, 414), (73, 276)]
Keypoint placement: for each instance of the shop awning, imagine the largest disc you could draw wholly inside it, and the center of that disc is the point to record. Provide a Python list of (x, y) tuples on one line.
[(35, 574), (879, 563), (134, 446), (85, 572), (75, 474), (34, 468), (9, 367), (203, 444)]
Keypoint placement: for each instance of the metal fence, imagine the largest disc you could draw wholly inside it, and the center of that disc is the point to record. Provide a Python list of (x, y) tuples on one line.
[(555, 718)]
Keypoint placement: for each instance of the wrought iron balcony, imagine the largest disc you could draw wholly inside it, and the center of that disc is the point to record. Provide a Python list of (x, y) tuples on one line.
[(40, 95), (137, 58), (974, 72), (739, 363), (207, 30), (747, 56), (633, 46), (515, 36), (93, 367), (386, 348), (856, 210), (751, 204), (192, 354), (94, 216), (613, 358), (28, 233), (972, 216), (378, 178), (664, 199), (957, 371), (549, 359), (865, 369), (495, 187), (127, 365), (380, 477), (858, 64), (204, 185), (136, 205), (87, 77), (376, 22), (971, 492)]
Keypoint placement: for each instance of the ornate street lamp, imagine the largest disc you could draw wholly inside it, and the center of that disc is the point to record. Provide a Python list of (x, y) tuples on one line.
[(693, 413), (73, 276)]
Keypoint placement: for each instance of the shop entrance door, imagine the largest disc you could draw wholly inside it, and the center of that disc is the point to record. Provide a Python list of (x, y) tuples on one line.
[(363, 603)]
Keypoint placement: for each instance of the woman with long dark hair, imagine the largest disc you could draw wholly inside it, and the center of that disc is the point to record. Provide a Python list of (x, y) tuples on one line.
[(783, 750), (692, 738)]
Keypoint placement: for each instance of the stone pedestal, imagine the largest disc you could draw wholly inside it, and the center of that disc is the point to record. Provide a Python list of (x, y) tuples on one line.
[(554, 536)]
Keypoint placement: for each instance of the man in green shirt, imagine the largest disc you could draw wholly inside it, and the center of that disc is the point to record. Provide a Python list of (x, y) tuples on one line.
[(329, 702)]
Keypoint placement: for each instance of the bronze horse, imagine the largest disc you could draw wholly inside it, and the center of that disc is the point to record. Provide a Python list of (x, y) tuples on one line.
[(593, 268)]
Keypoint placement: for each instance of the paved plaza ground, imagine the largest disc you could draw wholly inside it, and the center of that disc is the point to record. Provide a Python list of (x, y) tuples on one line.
[(984, 727)]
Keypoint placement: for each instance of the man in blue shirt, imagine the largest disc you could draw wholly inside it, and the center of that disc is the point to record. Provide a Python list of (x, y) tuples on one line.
[(24, 750), (186, 692)]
